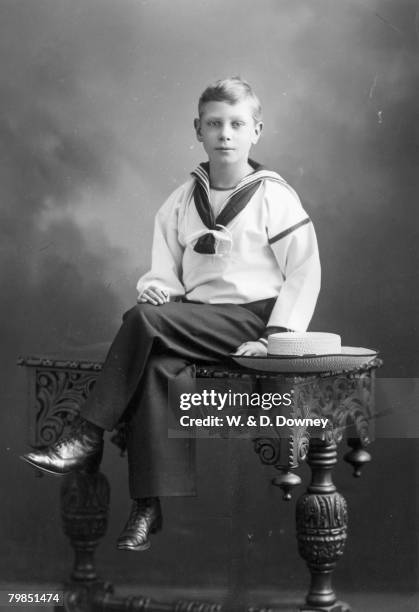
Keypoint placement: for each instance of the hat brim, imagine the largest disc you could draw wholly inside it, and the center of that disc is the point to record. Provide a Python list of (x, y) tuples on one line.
[(350, 358)]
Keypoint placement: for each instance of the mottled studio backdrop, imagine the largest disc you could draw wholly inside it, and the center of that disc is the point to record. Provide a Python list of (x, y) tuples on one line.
[(97, 100)]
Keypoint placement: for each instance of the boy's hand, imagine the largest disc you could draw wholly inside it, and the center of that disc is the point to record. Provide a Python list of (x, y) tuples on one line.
[(252, 348), (153, 295)]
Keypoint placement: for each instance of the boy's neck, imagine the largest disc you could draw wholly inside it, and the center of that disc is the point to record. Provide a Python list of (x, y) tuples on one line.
[(223, 176)]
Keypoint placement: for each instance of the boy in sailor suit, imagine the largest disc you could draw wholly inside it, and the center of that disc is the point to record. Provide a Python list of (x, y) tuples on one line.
[(234, 258)]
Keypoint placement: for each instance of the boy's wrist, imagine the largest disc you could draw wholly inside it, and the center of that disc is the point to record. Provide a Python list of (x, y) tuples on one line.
[(273, 329)]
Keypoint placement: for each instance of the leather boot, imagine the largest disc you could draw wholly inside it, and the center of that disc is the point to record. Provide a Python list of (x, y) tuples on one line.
[(145, 518), (80, 449)]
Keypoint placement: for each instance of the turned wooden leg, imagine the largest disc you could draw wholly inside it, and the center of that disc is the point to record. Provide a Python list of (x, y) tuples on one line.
[(322, 520), (84, 510)]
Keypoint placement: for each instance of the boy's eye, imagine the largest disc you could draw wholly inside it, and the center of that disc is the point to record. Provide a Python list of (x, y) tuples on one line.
[(237, 124), (213, 123)]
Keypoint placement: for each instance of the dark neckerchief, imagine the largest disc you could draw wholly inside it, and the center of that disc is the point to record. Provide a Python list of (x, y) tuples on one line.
[(237, 201)]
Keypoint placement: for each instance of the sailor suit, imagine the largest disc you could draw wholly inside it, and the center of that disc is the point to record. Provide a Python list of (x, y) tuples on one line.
[(232, 277)]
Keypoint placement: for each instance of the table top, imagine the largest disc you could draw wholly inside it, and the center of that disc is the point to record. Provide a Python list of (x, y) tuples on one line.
[(91, 358)]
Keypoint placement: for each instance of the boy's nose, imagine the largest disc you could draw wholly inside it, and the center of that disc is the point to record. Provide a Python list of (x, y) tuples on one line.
[(225, 132)]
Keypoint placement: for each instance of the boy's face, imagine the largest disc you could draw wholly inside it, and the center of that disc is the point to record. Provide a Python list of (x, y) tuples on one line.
[(227, 131)]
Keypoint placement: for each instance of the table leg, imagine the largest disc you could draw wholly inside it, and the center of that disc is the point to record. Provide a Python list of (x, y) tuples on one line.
[(84, 509), (322, 520)]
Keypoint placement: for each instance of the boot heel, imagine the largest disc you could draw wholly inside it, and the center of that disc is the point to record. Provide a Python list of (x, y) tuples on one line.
[(92, 464), (157, 525)]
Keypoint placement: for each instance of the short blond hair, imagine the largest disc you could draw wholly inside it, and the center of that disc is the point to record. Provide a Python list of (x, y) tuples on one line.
[(232, 91)]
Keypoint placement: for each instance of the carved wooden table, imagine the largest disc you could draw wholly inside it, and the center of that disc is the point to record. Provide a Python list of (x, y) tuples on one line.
[(57, 387)]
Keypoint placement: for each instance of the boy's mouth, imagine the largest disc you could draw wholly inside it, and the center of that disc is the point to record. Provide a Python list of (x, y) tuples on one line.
[(224, 149)]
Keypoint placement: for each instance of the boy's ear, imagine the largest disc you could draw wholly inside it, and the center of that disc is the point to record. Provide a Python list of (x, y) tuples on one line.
[(257, 131), (197, 126)]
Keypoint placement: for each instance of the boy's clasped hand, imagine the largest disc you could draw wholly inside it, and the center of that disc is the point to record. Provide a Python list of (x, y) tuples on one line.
[(254, 348), (153, 295)]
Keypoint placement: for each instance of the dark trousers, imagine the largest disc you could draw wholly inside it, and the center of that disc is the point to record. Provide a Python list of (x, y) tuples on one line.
[(153, 345)]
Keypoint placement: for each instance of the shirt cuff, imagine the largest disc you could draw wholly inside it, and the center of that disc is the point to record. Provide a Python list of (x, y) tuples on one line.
[(272, 329)]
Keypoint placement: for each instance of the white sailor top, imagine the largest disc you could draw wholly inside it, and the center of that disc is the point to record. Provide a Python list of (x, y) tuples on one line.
[(266, 248)]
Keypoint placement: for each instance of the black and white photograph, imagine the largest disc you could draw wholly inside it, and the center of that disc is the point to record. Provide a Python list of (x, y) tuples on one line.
[(209, 316)]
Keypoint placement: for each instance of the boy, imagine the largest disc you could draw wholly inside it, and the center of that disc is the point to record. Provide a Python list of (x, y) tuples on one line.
[(234, 258)]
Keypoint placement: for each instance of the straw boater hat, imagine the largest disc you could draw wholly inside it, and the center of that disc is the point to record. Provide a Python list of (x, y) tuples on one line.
[(307, 352)]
